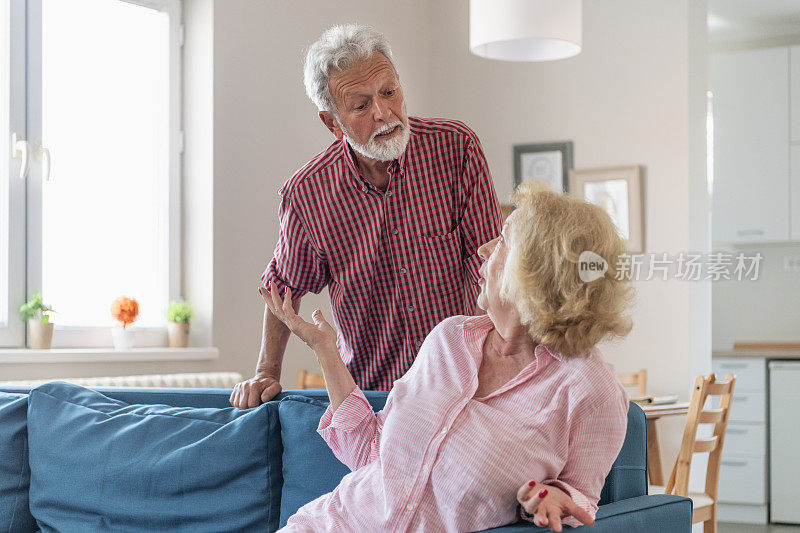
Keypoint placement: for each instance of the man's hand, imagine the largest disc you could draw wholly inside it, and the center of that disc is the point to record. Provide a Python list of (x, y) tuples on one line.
[(255, 391), (547, 505)]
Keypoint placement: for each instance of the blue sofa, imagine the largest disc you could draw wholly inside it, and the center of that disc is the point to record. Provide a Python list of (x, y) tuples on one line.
[(76, 459)]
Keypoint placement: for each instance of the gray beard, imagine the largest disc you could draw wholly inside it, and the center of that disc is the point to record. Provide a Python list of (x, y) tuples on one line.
[(387, 150)]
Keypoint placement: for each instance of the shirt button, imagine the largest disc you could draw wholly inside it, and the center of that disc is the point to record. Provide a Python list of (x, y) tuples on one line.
[(364, 189), (403, 270), (410, 507), (389, 193), (410, 308), (395, 231), (418, 344)]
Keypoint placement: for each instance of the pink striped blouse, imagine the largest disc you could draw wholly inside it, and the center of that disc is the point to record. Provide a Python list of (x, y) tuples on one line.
[(438, 459)]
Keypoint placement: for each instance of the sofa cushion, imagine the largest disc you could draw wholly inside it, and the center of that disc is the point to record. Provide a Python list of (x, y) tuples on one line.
[(99, 464), (15, 475), (309, 467)]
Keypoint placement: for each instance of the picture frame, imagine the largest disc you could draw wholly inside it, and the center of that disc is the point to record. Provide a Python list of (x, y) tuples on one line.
[(547, 162), (618, 190)]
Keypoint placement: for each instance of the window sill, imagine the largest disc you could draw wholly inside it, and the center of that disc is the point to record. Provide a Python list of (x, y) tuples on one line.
[(105, 355)]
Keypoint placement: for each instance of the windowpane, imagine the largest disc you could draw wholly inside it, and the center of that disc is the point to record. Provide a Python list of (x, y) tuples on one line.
[(105, 103)]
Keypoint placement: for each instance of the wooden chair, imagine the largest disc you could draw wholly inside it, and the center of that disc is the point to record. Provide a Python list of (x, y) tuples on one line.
[(306, 380), (638, 379), (705, 503)]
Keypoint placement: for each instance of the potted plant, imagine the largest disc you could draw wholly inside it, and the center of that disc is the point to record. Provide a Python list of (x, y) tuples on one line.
[(124, 310), (179, 315), (40, 327)]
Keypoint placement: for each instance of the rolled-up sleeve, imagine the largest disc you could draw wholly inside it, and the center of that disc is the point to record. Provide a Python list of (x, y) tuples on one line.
[(594, 444), (353, 431), (482, 220), (297, 262)]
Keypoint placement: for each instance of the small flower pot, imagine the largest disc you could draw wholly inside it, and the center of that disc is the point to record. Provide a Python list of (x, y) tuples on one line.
[(41, 334), (178, 334), (123, 338)]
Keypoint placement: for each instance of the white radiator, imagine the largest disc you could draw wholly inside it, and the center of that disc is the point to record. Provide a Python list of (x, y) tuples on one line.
[(223, 380)]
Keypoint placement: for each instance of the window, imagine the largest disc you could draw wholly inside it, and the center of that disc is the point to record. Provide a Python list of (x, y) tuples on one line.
[(102, 127)]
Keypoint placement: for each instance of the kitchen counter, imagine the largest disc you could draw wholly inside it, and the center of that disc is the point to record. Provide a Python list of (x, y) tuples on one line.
[(764, 354)]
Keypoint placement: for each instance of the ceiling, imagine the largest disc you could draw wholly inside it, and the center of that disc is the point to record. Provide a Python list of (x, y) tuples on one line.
[(749, 20)]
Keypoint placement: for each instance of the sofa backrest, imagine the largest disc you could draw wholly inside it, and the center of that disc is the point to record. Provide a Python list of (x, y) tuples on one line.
[(627, 478)]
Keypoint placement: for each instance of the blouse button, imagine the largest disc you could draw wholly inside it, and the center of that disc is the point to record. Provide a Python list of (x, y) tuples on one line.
[(425, 468), (410, 507), (443, 432)]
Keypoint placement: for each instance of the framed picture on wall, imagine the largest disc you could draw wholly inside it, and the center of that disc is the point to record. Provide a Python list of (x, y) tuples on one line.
[(618, 190), (547, 162)]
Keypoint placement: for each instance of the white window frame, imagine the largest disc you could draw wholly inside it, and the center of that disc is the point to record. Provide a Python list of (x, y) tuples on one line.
[(12, 200), (75, 336)]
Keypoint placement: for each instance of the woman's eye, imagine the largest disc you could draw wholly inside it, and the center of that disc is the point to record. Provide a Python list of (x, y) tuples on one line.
[(359, 108), (390, 93)]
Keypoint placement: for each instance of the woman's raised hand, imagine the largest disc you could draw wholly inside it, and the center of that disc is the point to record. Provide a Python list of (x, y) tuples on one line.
[(319, 335), (547, 505)]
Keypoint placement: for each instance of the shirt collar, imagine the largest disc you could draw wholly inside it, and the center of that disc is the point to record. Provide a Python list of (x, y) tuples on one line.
[(542, 349), (473, 327)]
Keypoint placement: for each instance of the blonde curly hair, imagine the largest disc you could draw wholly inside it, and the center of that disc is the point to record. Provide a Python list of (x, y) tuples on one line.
[(541, 278)]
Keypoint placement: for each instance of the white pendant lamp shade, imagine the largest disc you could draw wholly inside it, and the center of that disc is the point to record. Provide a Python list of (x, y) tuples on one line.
[(525, 30)]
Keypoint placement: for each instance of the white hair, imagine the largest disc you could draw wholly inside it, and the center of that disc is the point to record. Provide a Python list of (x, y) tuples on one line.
[(339, 47)]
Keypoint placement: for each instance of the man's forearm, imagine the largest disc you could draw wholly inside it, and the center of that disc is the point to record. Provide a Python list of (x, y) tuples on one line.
[(274, 336)]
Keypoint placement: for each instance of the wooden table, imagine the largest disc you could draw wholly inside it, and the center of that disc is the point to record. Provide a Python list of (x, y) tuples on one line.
[(653, 413)]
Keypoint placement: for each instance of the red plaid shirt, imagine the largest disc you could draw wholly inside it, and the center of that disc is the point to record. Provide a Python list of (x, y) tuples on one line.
[(396, 262)]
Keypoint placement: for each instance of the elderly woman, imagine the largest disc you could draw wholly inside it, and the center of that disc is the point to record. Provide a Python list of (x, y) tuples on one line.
[(510, 414)]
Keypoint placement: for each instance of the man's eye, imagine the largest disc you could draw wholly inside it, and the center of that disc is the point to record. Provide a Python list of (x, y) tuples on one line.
[(390, 93), (359, 108)]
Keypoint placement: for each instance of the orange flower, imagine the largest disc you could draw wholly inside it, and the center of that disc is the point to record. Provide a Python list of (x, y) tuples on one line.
[(125, 310)]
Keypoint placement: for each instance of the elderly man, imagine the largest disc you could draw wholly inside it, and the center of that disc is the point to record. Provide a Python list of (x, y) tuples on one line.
[(389, 217)]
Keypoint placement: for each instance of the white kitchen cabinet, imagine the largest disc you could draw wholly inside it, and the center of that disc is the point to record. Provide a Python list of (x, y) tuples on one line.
[(744, 450), (784, 436), (794, 95), (795, 188), (751, 201)]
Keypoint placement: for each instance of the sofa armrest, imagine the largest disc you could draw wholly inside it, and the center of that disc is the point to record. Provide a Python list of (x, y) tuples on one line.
[(662, 513)]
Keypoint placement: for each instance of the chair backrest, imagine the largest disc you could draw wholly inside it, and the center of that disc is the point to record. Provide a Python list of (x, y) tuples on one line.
[(703, 388), (639, 379), (306, 380)]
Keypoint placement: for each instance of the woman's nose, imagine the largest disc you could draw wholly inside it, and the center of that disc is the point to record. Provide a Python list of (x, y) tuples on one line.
[(485, 250)]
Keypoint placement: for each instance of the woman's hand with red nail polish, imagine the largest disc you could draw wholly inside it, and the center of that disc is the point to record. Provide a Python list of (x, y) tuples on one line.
[(546, 505)]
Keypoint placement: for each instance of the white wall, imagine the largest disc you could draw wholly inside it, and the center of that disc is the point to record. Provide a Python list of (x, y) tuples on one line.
[(758, 310)]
